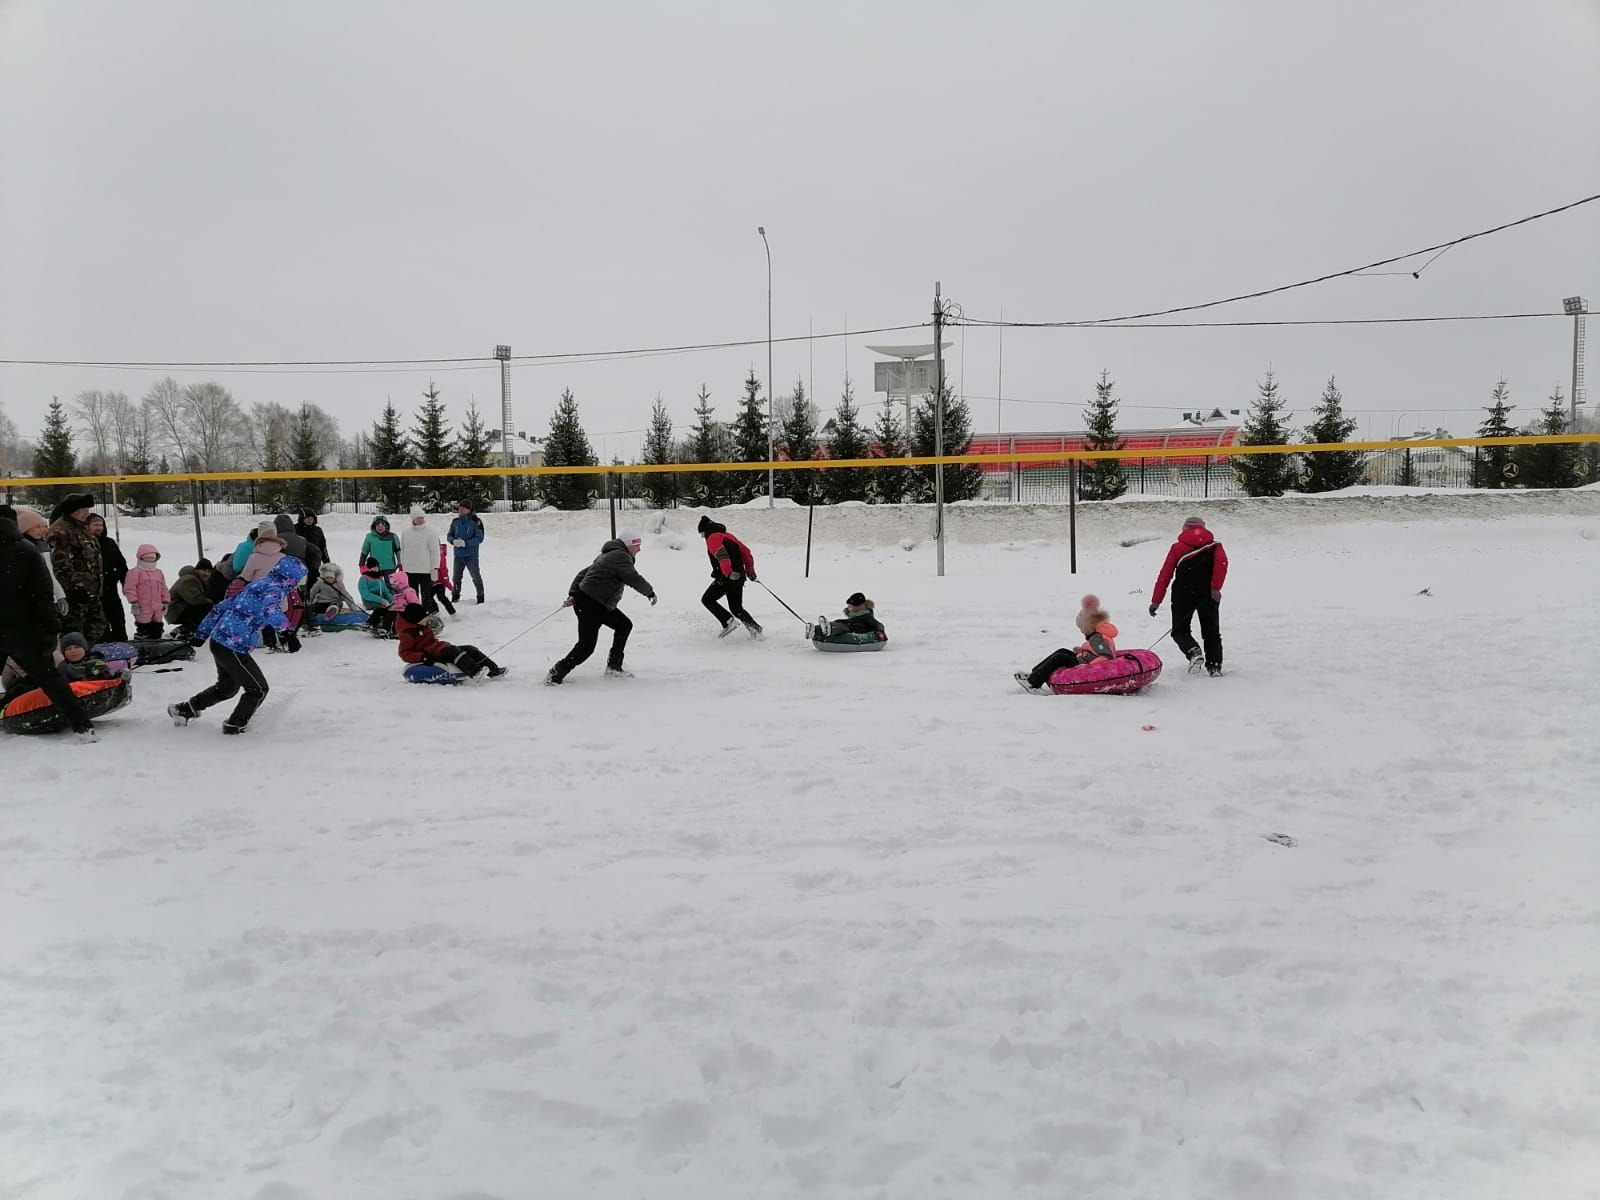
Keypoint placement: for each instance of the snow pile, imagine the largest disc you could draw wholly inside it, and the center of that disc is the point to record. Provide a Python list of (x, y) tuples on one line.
[(767, 922)]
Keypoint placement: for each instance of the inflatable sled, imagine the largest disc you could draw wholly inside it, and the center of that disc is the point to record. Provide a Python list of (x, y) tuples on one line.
[(33, 711), (119, 656), (432, 673), (151, 652), (1130, 671), (349, 620), (847, 643)]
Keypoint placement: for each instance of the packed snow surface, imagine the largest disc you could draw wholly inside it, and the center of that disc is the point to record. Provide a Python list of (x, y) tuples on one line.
[(764, 922)]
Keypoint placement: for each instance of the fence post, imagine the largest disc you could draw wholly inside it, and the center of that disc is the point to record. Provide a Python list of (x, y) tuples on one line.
[(1206, 487), (1141, 477)]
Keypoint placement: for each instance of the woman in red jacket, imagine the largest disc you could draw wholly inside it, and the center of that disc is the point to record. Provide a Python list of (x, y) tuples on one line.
[(419, 644)]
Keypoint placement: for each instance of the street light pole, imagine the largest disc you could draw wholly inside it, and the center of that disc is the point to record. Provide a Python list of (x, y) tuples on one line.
[(503, 354), (1576, 307), (762, 230)]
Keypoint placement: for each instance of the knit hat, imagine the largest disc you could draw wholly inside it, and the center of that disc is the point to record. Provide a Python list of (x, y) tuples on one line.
[(1091, 603), (268, 532), (707, 525), (74, 639), (630, 537), (203, 564), (31, 521), (1194, 522), (414, 613), (328, 570), (856, 599), (416, 511)]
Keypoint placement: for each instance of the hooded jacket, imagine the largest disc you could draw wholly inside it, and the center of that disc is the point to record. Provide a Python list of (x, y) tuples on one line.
[(312, 532), (375, 592), (146, 589), (418, 643), (329, 590), (268, 553), (296, 546), (235, 622), (730, 558), (1196, 566), (188, 599), (75, 552), (467, 529), (27, 601), (611, 571), (419, 548), (380, 548)]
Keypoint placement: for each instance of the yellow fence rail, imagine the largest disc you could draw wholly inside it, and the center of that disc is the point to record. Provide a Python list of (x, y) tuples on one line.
[(816, 464)]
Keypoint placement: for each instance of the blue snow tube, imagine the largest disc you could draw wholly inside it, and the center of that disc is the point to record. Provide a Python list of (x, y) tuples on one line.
[(431, 673)]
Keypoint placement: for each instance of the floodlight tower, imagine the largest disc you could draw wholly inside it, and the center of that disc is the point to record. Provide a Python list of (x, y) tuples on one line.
[(1576, 307), (503, 353)]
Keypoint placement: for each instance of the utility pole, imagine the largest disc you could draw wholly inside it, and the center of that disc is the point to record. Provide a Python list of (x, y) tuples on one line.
[(938, 424), (503, 353), (771, 491)]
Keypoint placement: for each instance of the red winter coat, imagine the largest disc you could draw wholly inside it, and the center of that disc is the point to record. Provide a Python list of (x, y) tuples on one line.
[(1198, 561), (730, 558), (419, 644)]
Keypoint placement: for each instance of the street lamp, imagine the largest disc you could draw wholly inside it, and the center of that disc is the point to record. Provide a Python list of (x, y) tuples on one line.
[(503, 356), (1575, 307), (762, 230)]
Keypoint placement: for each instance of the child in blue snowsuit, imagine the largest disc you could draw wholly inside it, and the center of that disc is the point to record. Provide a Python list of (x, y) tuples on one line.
[(232, 627)]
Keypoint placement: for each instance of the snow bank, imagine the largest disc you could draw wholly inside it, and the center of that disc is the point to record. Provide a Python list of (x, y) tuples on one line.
[(766, 922)]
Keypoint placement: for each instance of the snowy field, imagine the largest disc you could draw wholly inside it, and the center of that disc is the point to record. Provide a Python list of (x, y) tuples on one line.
[(764, 922)]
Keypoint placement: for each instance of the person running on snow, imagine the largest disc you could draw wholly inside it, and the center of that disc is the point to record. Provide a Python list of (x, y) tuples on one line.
[(232, 627), (1196, 567), (593, 597), (1099, 644), (419, 644), (731, 564), (466, 536)]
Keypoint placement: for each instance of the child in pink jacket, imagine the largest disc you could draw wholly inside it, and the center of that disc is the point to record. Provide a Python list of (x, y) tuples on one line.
[(146, 590)]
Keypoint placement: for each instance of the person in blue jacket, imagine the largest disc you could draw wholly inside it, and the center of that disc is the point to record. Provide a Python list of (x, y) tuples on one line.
[(466, 535), (232, 627)]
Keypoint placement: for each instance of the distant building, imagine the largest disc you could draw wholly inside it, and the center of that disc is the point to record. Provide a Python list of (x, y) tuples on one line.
[(1207, 433), (525, 451)]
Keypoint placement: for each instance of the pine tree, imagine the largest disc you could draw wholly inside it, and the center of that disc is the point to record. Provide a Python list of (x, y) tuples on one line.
[(1492, 465), (798, 435), (708, 443), (272, 495), (1264, 425), (142, 498), (305, 454), (660, 449), (1331, 470), (887, 485), (471, 452), (961, 481), (1554, 464), (53, 455), (1102, 478), (568, 446), (390, 452), (846, 439), (749, 442), (433, 450)]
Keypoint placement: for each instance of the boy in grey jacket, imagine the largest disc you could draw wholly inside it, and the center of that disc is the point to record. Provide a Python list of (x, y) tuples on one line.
[(593, 597)]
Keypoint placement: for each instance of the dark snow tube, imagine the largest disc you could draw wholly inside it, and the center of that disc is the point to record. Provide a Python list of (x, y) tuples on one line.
[(350, 620), (850, 643), (1130, 671), (432, 673), (33, 711)]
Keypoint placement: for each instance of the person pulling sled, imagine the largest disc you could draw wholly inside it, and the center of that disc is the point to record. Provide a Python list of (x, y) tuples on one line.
[(593, 597), (1196, 567), (731, 564)]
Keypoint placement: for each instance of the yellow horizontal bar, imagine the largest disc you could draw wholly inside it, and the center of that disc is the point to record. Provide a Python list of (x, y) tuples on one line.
[(824, 464)]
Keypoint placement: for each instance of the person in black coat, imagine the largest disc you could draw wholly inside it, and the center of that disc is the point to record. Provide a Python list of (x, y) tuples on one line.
[(29, 623), (113, 571), (309, 528)]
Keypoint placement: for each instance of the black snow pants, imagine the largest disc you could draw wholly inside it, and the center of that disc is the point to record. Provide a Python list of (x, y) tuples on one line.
[(591, 616), (470, 659), (1185, 606), (1063, 657), (235, 673), (733, 590)]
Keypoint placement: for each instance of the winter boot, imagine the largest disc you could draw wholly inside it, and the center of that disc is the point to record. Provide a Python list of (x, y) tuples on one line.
[(755, 630), (728, 627), (1022, 681), (552, 679), (618, 673), (181, 713), (499, 672), (1197, 659), (229, 727), (88, 736), (1213, 669)]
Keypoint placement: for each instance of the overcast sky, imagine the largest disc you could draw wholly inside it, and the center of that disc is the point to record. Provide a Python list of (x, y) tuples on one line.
[(339, 180)]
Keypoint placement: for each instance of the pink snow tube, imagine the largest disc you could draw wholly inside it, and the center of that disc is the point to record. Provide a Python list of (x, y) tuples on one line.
[(1130, 671)]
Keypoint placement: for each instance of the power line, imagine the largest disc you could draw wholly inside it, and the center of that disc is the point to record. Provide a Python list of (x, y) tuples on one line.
[(1528, 316), (1287, 287)]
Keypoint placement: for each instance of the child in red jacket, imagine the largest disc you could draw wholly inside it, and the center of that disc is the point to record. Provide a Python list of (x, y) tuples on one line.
[(419, 644)]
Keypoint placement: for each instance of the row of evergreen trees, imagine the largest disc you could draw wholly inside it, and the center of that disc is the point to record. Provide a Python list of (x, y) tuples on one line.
[(798, 435), (428, 446)]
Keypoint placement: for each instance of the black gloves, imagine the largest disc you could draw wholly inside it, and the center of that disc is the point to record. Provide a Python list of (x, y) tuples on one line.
[(1154, 609)]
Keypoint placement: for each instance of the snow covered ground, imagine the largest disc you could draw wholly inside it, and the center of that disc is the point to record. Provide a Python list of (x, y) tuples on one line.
[(767, 922)]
